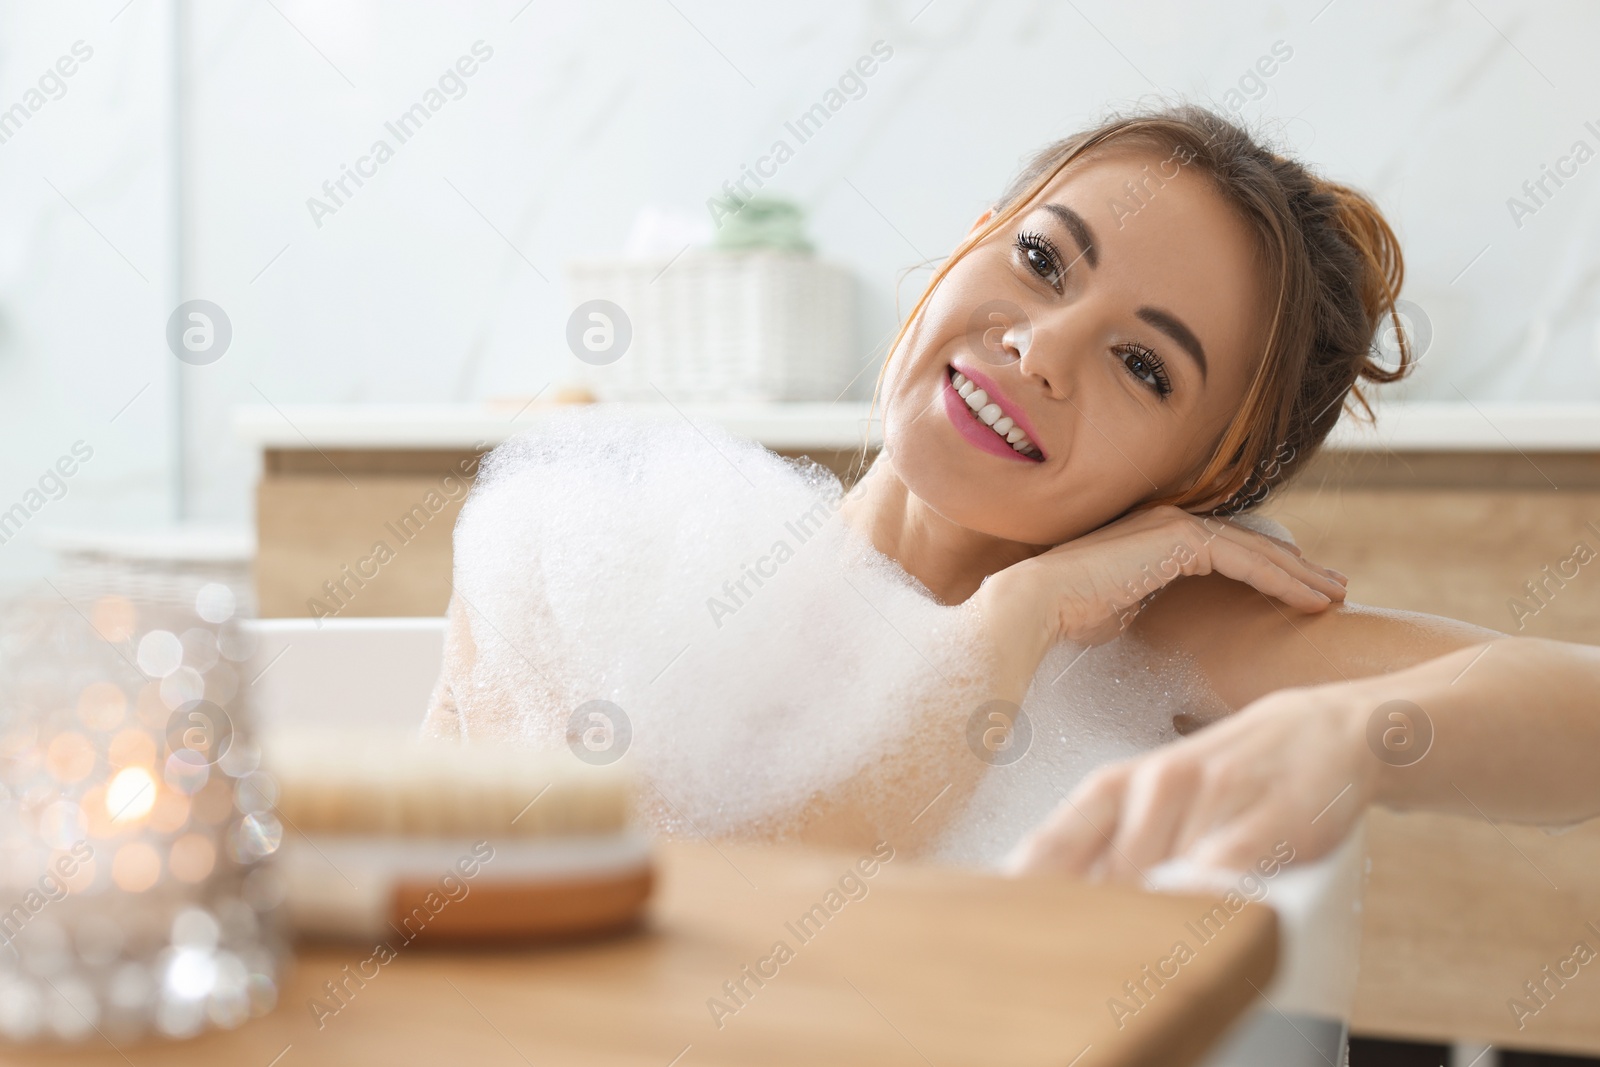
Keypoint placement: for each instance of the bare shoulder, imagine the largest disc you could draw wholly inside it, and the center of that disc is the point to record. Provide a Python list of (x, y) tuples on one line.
[(1249, 645)]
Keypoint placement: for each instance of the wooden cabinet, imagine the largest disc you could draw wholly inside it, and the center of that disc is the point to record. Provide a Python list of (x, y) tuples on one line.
[(352, 533)]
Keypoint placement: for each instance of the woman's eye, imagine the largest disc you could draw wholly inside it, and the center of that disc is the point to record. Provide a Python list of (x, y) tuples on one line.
[(1041, 257), (1147, 367), (1041, 265)]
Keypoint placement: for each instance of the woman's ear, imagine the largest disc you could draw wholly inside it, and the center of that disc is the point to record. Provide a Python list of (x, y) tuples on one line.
[(981, 222)]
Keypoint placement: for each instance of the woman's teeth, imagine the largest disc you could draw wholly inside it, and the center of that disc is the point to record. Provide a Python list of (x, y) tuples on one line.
[(990, 415)]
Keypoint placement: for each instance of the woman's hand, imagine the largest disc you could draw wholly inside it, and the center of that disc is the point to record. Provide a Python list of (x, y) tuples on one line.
[(1087, 590), (1293, 766)]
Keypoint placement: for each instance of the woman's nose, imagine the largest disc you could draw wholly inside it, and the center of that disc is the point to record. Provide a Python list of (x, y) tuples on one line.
[(1059, 346), (1002, 333)]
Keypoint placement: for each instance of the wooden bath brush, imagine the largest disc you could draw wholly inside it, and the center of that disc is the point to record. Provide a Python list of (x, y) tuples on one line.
[(386, 837)]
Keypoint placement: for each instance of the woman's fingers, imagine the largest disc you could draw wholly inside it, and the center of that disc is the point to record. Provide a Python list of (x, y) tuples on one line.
[(1091, 586), (1154, 807), (1287, 546), (1294, 550), (1287, 550), (1256, 561), (1128, 818), (1255, 568), (1234, 847), (1121, 822), (1224, 798), (1319, 577), (1077, 835)]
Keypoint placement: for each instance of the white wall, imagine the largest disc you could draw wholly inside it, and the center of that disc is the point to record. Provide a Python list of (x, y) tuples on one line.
[(587, 112), (86, 265)]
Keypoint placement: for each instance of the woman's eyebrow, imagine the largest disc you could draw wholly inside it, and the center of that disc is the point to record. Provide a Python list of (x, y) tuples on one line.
[(1079, 229), (1174, 328), (1164, 321)]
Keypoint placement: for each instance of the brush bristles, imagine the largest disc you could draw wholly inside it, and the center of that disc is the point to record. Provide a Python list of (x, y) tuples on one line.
[(353, 782)]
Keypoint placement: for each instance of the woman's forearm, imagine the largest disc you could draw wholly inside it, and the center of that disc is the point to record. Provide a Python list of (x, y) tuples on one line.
[(1009, 617), (1090, 589), (1512, 723), (1506, 729), (1515, 726)]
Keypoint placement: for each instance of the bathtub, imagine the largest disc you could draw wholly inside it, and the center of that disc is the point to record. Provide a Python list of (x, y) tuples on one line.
[(379, 672)]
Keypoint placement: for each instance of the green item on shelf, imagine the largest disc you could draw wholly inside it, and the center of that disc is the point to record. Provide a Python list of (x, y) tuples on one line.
[(764, 222)]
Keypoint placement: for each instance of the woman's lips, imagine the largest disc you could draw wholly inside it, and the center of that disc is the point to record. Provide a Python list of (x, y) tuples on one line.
[(998, 396), (968, 425)]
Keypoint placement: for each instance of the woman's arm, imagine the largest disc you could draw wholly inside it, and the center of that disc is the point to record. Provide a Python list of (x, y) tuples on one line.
[(1252, 613), (1516, 729), (1095, 587), (1506, 729), (1332, 699), (1248, 646)]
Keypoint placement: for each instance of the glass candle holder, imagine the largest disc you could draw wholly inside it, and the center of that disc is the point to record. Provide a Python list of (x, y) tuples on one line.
[(136, 896)]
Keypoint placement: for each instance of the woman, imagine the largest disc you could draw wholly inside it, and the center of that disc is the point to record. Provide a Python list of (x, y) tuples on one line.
[(1156, 326)]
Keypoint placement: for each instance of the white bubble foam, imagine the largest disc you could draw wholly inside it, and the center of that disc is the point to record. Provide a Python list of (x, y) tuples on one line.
[(1086, 707), (783, 679)]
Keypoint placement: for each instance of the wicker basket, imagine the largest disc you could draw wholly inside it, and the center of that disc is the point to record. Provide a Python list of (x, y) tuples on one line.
[(710, 325)]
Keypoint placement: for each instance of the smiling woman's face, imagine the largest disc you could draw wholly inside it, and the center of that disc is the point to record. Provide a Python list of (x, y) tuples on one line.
[(1119, 339)]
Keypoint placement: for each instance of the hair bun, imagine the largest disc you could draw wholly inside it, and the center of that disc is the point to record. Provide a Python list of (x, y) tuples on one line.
[(1369, 234)]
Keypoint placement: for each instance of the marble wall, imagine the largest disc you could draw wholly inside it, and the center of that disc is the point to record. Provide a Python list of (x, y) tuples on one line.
[(192, 154)]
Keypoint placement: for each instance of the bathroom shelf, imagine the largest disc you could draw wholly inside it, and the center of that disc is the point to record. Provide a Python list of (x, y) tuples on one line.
[(776, 425), (1416, 426), (1455, 426)]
